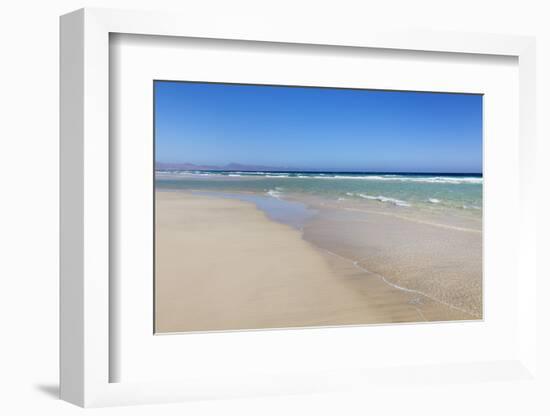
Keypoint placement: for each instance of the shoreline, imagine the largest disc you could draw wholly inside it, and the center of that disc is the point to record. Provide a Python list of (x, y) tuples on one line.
[(354, 294), (356, 264)]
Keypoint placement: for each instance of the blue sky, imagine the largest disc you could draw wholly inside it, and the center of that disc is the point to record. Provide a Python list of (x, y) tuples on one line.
[(317, 128)]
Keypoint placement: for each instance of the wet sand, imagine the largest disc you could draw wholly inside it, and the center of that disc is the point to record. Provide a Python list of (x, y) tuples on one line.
[(436, 262), (222, 264)]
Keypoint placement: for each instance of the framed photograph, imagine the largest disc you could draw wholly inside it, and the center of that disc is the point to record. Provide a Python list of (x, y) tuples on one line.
[(267, 211), (345, 206)]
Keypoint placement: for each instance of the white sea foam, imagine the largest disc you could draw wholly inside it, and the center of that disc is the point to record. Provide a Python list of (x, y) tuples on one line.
[(382, 198), (250, 173), (420, 179), (186, 173), (434, 200), (274, 193), (389, 177)]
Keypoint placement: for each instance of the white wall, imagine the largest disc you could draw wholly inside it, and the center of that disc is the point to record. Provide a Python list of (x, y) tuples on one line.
[(29, 217)]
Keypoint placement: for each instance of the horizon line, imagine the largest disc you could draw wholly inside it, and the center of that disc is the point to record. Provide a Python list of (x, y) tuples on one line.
[(328, 171)]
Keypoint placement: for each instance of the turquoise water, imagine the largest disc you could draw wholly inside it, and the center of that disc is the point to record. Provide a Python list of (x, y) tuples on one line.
[(457, 191)]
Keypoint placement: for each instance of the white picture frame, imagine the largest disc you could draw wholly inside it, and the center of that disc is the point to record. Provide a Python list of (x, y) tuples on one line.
[(85, 208)]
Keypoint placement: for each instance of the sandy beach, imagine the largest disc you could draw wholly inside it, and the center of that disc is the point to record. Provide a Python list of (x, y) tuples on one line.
[(222, 264)]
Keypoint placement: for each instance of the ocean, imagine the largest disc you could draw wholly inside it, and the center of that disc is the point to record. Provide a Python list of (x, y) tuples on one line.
[(435, 192)]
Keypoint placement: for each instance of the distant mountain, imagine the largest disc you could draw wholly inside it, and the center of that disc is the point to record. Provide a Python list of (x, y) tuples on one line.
[(230, 166), (183, 166)]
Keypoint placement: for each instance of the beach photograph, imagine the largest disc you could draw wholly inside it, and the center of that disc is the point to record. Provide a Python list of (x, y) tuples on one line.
[(300, 207)]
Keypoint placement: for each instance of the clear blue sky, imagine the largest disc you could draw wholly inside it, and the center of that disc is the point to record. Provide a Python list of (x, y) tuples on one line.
[(317, 128)]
